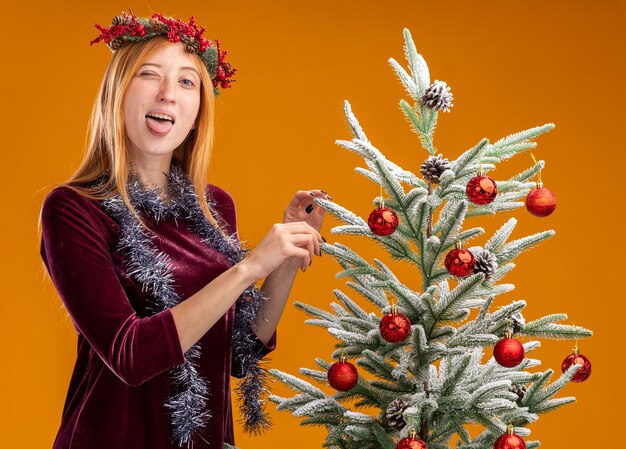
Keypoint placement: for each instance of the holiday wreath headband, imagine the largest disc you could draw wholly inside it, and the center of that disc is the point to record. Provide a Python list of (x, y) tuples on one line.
[(130, 28)]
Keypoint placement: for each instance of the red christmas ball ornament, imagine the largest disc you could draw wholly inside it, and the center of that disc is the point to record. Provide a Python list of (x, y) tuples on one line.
[(411, 442), (540, 201), (508, 352), (575, 358), (509, 441), (395, 327), (343, 375), (460, 262), (383, 221), (481, 189)]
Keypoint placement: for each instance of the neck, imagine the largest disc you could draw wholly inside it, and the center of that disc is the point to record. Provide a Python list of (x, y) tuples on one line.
[(153, 172)]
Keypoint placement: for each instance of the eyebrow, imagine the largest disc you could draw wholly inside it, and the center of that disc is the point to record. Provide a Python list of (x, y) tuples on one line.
[(182, 68)]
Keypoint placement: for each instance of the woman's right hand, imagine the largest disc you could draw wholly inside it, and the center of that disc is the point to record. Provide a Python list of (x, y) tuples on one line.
[(296, 240)]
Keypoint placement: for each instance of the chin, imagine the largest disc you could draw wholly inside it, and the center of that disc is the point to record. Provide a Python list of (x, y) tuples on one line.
[(155, 152)]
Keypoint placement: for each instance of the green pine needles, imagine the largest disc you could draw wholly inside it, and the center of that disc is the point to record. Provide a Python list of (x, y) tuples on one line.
[(438, 372)]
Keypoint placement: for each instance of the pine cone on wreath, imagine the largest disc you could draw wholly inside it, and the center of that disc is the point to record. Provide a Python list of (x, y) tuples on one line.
[(192, 46), (394, 413), (157, 25), (486, 262), (438, 96), (433, 167), (116, 43), (518, 322)]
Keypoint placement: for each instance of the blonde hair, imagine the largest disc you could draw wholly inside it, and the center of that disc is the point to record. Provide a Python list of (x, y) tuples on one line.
[(107, 145)]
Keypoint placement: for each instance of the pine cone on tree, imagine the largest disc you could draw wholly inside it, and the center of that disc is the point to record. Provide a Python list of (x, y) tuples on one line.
[(520, 391), (438, 96), (518, 322), (486, 262), (394, 413), (433, 167)]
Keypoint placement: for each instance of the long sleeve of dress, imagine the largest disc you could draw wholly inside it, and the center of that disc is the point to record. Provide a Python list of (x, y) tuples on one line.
[(78, 257)]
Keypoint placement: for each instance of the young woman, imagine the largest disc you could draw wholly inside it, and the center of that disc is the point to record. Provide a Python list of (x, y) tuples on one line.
[(145, 255)]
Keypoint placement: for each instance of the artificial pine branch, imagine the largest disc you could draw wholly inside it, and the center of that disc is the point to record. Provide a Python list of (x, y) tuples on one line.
[(298, 384), (314, 374), (517, 138), (529, 173), (355, 126), (497, 242), (409, 84), (417, 64)]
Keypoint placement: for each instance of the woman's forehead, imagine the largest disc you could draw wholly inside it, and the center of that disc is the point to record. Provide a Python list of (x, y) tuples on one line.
[(171, 54)]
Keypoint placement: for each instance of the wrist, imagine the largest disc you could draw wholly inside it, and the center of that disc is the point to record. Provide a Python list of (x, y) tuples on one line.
[(244, 270), (290, 266)]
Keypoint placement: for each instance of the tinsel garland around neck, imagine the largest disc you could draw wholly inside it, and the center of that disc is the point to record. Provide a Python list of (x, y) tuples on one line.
[(154, 271)]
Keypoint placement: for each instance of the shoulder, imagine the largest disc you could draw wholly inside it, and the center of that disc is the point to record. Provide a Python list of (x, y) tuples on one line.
[(64, 204), (218, 195), (63, 197), (222, 202), (220, 199)]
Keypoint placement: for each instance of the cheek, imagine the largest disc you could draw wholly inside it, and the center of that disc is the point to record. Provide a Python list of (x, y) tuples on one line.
[(136, 96), (192, 108), (130, 105), (131, 120)]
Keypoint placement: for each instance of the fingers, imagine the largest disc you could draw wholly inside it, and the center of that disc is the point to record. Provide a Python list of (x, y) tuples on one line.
[(301, 234), (319, 194), (302, 200), (311, 244), (288, 246), (295, 237), (304, 255)]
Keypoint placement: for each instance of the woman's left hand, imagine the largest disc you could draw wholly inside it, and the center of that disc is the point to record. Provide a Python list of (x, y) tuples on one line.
[(302, 208)]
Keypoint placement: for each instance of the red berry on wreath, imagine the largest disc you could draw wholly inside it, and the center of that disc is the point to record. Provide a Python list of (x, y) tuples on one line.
[(508, 352), (481, 189), (540, 201), (460, 262), (395, 327), (411, 442), (575, 358), (509, 440), (343, 375), (383, 221)]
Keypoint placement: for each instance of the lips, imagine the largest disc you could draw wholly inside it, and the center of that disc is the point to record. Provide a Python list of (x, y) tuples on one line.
[(160, 123)]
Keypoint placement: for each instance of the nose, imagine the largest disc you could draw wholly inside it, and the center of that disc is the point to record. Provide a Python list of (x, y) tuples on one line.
[(166, 91)]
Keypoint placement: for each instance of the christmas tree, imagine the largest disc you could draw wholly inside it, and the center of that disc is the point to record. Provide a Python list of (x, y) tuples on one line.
[(433, 362)]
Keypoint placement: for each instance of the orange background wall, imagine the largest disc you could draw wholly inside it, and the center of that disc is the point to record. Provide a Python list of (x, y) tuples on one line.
[(511, 65)]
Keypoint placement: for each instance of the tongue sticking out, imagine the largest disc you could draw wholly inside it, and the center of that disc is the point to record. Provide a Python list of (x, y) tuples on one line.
[(157, 126)]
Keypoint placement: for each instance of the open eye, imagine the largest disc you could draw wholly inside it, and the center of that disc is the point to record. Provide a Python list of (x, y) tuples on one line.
[(187, 83)]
